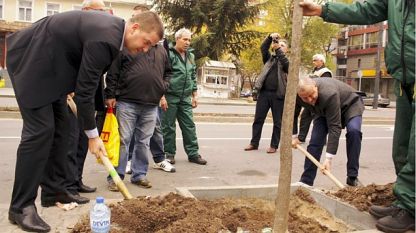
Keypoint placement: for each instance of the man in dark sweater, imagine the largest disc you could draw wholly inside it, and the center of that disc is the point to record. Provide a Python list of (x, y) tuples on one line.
[(137, 83), (319, 71), (271, 91), (341, 107)]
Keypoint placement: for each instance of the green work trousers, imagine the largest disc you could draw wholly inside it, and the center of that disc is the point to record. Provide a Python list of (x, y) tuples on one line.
[(181, 110), (404, 147)]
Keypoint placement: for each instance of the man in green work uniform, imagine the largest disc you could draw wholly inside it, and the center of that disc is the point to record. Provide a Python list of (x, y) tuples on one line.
[(179, 100), (400, 61)]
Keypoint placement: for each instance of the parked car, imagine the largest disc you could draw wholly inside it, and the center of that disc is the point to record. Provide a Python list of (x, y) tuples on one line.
[(368, 99), (245, 93)]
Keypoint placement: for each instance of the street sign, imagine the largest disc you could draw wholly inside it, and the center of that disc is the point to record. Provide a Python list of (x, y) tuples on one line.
[(359, 74)]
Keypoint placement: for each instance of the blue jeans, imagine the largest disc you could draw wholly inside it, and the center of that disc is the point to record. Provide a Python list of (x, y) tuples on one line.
[(156, 142), (317, 143), (139, 120)]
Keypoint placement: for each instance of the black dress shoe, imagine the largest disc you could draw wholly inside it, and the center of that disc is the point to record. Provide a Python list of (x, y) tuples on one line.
[(86, 189), (197, 160), (353, 181), (251, 147), (47, 201), (29, 220)]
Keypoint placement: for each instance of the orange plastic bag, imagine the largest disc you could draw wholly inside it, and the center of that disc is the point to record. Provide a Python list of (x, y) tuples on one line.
[(111, 137)]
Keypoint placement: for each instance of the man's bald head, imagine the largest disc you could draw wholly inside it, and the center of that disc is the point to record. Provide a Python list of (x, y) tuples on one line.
[(97, 5), (307, 90)]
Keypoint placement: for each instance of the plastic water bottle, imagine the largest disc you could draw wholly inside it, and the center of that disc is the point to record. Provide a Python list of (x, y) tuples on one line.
[(100, 217)]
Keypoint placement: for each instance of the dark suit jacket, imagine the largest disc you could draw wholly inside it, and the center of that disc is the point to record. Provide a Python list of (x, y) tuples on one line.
[(338, 102), (62, 53)]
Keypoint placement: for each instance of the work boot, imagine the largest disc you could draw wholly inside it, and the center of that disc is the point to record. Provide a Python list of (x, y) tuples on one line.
[(400, 222), (142, 183), (197, 160), (382, 211)]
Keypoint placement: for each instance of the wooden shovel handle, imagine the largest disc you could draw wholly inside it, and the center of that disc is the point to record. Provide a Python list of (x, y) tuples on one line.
[(107, 164), (320, 166), (114, 175)]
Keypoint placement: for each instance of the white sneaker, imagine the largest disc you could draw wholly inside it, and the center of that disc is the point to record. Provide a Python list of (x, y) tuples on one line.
[(165, 166), (128, 167)]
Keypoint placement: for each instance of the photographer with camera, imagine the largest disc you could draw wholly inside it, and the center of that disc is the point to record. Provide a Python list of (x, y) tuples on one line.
[(271, 88)]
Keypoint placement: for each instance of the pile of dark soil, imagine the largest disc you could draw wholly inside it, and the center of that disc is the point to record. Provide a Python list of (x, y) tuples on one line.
[(364, 197), (173, 213)]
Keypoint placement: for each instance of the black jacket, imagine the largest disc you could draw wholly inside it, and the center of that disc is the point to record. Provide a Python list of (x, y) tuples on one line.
[(141, 79), (62, 53), (338, 102), (274, 71)]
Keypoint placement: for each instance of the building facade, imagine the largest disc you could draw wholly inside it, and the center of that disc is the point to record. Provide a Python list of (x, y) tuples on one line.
[(217, 79), (356, 58), (18, 14)]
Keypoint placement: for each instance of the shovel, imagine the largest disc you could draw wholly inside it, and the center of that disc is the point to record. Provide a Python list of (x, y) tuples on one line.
[(320, 166), (107, 164)]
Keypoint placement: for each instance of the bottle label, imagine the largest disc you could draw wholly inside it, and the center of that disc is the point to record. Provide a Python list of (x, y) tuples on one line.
[(100, 226)]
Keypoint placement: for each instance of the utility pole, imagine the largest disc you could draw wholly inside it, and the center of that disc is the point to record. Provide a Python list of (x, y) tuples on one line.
[(378, 65)]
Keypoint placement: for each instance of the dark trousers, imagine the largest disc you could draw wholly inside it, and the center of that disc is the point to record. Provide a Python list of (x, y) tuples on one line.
[(318, 141), (265, 101), (77, 152), (41, 155)]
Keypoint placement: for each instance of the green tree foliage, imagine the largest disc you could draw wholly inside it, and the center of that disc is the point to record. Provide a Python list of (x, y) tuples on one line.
[(315, 39), (219, 25)]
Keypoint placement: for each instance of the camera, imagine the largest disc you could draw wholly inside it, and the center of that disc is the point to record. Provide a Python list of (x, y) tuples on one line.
[(275, 40)]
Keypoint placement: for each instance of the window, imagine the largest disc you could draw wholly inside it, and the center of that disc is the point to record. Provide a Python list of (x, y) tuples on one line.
[(372, 40), (341, 61), (220, 81), (77, 7), (342, 72), (25, 10), (223, 80), (210, 79), (1, 9), (52, 8), (355, 42)]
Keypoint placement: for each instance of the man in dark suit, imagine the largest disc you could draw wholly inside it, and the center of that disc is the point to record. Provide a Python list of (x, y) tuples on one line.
[(78, 141), (341, 107), (55, 56)]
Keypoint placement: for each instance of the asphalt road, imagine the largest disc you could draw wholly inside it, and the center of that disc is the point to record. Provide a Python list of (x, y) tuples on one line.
[(222, 145)]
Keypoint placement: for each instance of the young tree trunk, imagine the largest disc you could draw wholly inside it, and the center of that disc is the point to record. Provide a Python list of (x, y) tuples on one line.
[(283, 191)]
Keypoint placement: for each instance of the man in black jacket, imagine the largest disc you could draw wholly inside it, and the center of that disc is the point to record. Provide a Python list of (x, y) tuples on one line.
[(271, 86), (137, 83), (55, 56)]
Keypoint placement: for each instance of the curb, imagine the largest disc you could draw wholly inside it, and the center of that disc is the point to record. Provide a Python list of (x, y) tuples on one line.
[(14, 113)]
